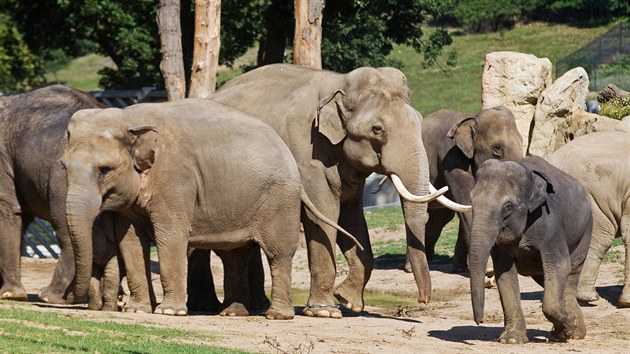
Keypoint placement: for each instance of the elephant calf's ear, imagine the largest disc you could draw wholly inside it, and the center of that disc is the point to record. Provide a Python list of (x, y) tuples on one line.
[(540, 188), (143, 144), (331, 117), (463, 133)]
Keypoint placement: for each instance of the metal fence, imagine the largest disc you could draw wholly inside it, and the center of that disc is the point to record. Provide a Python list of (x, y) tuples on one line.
[(606, 59)]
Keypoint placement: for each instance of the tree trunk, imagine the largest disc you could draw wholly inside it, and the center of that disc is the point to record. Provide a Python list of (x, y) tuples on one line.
[(307, 41), (172, 65), (205, 63)]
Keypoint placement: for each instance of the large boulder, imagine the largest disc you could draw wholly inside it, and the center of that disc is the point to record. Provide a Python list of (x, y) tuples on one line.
[(554, 124), (515, 80)]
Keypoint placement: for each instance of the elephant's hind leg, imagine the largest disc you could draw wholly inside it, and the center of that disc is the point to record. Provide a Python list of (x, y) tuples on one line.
[(624, 228), (11, 230), (573, 308)]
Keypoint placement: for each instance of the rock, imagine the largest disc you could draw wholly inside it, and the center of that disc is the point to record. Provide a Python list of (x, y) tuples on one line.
[(553, 124), (515, 80), (611, 91)]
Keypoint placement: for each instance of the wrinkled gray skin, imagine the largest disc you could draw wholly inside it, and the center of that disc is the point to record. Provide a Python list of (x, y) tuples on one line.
[(341, 128), (456, 144), (33, 182), (599, 161), (536, 221), (191, 172)]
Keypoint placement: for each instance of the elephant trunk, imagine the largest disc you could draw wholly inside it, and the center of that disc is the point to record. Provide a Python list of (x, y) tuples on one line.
[(82, 207), (416, 180), (482, 240)]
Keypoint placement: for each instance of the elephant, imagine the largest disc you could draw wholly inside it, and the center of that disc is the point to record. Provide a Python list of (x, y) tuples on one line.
[(534, 220), (341, 128), (33, 134), (596, 160), (456, 145), (190, 173)]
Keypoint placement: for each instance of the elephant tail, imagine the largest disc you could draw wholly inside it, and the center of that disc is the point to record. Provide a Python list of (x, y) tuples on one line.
[(308, 204)]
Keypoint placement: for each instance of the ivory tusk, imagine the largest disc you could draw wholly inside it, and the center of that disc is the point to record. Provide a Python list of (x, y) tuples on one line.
[(405, 194), (449, 203)]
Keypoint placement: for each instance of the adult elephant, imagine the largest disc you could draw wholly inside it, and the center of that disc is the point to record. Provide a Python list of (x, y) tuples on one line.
[(599, 161), (456, 144), (340, 128), (32, 139)]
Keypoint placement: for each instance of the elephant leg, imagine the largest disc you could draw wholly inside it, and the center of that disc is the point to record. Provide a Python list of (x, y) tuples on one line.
[(556, 283), (460, 257), (572, 307), (11, 222), (515, 330), (256, 280), (59, 291), (135, 251), (602, 238), (95, 294), (438, 218), (201, 293), (624, 228), (111, 284), (235, 286), (360, 263), (321, 263)]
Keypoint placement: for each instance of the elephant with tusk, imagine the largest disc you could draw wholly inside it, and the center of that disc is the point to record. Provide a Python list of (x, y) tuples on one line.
[(340, 128)]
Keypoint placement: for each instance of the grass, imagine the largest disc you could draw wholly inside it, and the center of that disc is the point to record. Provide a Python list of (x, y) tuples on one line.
[(27, 331), (615, 254), (82, 72), (461, 88)]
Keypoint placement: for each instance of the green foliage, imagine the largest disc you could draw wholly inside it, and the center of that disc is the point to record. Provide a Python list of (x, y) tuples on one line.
[(617, 108), (483, 15), (20, 69), (26, 331)]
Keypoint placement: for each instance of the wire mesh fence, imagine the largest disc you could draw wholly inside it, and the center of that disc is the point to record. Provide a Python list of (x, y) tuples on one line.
[(606, 59)]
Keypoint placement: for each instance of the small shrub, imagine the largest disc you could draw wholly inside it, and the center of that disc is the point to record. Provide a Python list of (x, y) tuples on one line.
[(617, 108)]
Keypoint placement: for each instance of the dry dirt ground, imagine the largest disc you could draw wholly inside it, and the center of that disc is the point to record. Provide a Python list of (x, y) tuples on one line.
[(443, 326)]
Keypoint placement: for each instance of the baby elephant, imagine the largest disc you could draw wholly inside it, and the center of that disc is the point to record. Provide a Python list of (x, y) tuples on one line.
[(534, 220)]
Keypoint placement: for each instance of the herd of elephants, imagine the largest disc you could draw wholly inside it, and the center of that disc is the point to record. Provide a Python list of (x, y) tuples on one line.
[(283, 147)]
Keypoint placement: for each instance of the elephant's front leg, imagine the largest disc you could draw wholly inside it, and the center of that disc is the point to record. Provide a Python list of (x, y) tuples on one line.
[(557, 266), (172, 247), (515, 330), (12, 231), (134, 249), (360, 263)]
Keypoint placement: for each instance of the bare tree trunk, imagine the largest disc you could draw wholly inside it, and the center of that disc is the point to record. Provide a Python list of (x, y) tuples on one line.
[(172, 65), (203, 78), (307, 41)]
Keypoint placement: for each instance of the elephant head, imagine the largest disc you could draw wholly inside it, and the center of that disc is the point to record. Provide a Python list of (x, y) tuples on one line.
[(372, 120), (106, 163), (491, 134), (504, 198)]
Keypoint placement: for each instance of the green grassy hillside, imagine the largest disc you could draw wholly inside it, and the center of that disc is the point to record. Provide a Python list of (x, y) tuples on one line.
[(461, 88), (432, 89)]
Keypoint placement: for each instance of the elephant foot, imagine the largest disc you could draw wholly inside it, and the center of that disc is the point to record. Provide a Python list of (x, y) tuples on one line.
[(322, 310), (513, 337), (566, 332), (51, 296), (280, 313), (15, 293), (136, 306), (171, 309), (259, 304), (624, 300), (349, 298), (587, 294), (235, 309), (111, 307)]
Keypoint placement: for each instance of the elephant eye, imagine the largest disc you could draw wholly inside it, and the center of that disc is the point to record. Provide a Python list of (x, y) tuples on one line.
[(497, 151), (103, 170), (508, 207), (377, 129)]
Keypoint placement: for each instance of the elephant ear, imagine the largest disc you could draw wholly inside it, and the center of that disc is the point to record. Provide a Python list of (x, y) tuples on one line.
[(143, 145), (540, 189), (463, 132), (331, 117)]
